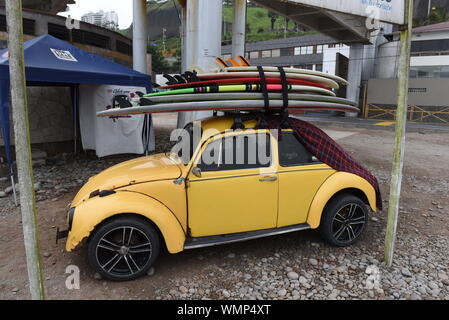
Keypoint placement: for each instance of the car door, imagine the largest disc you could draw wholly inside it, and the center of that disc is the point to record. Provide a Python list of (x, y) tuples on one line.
[(300, 177), (237, 189)]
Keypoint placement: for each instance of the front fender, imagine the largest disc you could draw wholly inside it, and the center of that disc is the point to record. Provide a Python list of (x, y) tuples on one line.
[(92, 212), (335, 183)]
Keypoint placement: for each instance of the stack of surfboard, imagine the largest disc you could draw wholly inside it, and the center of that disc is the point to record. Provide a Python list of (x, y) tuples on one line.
[(240, 89)]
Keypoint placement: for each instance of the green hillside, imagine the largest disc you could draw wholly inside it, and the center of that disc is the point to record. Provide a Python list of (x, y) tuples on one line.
[(260, 25)]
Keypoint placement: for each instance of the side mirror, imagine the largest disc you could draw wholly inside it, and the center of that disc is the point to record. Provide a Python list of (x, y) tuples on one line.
[(196, 172)]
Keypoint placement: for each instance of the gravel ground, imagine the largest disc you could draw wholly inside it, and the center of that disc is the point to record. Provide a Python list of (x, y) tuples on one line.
[(292, 266)]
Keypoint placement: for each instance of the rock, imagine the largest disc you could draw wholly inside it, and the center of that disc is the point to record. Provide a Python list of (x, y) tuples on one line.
[(247, 276), (435, 292), (282, 293), (333, 296), (47, 254), (151, 272), (433, 285), (8, 190), (183, 289), (231, 255), (3, 194), (374, 219), (303, 280), (329, 287), (37, 186), (406, 272), (313, 261), (293, 275), (226, 294), (15, 290), (443, 275), (422, 290), (97, 276)]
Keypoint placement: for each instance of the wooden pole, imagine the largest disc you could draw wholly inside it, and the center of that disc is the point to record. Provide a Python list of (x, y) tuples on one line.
[(23, 148), (401, 122)]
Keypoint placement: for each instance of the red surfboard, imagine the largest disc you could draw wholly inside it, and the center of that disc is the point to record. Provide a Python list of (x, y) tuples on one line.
[(243, 81)]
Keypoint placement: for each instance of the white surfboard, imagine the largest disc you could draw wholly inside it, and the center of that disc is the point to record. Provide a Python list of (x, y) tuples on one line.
[(228, 105), (289, 71), (242, 74), (246, 96)]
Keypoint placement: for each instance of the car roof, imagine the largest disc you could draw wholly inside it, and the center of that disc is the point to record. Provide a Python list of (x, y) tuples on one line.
[(225, 122)]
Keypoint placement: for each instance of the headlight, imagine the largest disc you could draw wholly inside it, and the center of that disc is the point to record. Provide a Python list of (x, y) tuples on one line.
[(70, 218)]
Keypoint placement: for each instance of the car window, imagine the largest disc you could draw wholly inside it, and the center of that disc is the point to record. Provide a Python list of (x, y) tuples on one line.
[(237, 152), (292, 152)]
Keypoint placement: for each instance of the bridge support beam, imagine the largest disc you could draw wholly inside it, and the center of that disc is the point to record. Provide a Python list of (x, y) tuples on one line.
[(201, 43), (239, 28), (140, 35), (355, 73)]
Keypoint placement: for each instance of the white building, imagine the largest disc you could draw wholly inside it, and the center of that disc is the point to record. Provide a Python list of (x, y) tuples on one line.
[(107, 19), (430, 53)]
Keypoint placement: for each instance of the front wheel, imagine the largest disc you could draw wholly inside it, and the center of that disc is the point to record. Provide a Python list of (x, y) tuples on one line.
[(344, 220), (123, 248)]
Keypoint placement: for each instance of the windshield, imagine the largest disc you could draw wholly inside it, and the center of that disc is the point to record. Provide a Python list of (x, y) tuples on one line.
[(186, 142)]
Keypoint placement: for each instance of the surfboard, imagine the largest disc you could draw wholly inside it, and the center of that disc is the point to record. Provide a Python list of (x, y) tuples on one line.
[(242, 74), (228, 105), (246, 96), (289, 71), (241, 81), (240, 88)]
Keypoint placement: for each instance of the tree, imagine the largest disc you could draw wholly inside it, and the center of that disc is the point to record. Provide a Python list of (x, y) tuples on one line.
[(159, 64), (437, 15), (274, 16)]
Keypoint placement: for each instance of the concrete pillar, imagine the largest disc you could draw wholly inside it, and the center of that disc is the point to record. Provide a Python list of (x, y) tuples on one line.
[(183, 33), (140, 43), (354, 73), (202, 43), (239, 28), (140, 35)]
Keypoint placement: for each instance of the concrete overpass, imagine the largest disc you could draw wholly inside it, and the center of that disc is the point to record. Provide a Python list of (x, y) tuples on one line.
[(49, 6), (342, 27)]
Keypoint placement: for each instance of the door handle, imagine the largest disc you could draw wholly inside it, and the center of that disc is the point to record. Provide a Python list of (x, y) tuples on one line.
[(268, 179)]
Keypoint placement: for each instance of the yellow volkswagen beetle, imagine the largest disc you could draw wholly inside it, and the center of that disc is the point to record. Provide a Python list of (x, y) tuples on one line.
[(208, 196)]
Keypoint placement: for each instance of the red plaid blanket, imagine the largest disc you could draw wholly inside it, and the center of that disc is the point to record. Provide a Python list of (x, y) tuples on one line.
[(324, 148)]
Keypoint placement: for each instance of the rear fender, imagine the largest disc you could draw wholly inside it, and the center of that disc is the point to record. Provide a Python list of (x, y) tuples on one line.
[(335, 183)]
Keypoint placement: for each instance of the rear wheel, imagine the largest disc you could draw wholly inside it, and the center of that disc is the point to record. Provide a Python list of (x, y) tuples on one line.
[(344, 220), (124, 248)]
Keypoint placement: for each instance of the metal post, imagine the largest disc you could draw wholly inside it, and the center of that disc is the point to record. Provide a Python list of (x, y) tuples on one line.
[(140, 32), (401, 121), (239, 28), (23, 148)]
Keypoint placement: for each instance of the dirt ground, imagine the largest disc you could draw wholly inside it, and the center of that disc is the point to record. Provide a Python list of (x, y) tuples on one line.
[(424, 214)]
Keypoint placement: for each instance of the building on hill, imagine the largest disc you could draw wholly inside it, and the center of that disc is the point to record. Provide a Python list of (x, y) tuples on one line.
[(107, 19)]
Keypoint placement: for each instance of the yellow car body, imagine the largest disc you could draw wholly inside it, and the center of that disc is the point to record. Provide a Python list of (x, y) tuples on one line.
[(184, 206)]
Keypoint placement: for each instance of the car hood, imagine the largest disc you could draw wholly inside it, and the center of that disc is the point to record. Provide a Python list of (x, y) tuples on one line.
[(145, 169)]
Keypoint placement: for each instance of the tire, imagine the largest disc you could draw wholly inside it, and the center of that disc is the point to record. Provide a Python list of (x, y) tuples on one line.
[(344, 220), (123, 248)]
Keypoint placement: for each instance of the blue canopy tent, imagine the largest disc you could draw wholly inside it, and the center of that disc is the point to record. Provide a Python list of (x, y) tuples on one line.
[(53, 62)]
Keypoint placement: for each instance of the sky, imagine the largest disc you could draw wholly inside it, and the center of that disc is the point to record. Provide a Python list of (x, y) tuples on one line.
[(124, 9)]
